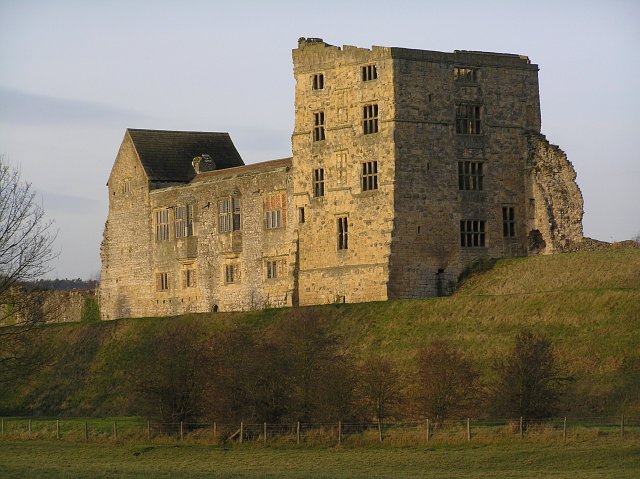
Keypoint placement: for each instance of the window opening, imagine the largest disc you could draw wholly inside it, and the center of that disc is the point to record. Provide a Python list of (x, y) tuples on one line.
[(343, 233), (369, 175), (318, 126), (230, 273), (467, 119), (470, 175), (162, 225), (465, 74), (272, 269), (472, 233), (508, 222), (162, 281), (370, 121), (184, 221), (318, 81), (189, 278), (229, 215), (369, 72), (274, 211), (318, 182)]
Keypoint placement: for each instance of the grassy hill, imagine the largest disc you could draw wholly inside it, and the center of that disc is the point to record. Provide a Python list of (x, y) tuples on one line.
[(588, 303)]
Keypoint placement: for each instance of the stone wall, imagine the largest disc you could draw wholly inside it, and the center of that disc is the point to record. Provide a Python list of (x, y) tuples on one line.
[(359, 272), (46, 306), (556, 197), (126, 285)]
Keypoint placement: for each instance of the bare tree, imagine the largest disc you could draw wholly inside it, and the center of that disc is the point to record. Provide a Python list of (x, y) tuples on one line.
[(530, 379), (448, 384), (26, 251), (380, 388)]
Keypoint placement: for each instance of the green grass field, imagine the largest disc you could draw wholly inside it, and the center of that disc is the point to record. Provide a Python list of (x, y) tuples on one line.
[(587, 303), (601, 459)]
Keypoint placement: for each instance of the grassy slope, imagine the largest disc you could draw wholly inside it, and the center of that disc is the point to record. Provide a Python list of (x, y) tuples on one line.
[(587, 302), (525, 460)]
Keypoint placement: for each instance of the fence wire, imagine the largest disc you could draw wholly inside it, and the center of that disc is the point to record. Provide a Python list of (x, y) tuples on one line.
[(355, 433)]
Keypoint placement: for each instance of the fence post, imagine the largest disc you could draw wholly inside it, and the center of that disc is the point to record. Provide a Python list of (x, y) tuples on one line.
[(521, 431), (298, 433), (241, 432), (57, 428), (86, 431), (115, 431), (427, 429), (148, 429), (265, 433), (468, 430), (564, 430), (29, 428), (622, 426), (214, 431), (2, 425), (380, 429), (181, 432), (339, 432)]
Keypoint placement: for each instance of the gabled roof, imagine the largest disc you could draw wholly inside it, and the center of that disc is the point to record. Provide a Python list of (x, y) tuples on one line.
[(167, 155)]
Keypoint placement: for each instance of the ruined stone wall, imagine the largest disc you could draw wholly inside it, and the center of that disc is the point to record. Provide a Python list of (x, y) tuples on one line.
[(50, 306), (556, 200), (125, 282), (67, 306), (359, 272)]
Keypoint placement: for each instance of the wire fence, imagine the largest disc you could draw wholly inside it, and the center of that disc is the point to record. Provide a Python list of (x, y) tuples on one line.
[(133, 429)]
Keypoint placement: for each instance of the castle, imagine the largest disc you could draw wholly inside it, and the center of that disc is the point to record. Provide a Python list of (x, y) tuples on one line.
[(407, 166)]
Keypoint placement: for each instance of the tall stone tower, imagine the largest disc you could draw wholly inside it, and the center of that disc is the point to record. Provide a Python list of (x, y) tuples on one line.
[(409, 165)]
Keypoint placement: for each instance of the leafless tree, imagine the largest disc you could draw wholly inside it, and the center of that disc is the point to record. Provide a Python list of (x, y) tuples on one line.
[(26, 251), (530, 380), (448, 383), (380, 388)]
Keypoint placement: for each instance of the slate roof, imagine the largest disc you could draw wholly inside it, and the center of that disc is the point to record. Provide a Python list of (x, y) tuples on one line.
[(167, 155)]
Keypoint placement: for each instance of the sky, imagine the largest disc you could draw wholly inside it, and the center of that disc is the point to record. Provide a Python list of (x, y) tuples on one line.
[(75, 74)]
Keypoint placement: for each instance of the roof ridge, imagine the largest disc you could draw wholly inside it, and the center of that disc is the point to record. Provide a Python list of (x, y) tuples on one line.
[(180, 131)]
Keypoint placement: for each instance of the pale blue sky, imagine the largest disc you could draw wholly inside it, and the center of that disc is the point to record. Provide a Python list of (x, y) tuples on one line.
[(75, 74)]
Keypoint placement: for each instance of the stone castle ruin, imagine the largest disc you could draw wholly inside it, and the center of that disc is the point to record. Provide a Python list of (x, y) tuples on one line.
[(407, 167)]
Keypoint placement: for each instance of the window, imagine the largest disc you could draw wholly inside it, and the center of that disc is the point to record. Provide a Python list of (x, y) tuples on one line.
[(468, 119), (184, 221), (369, 175), (229, 215), (318, 81), (318, 182), (318, 126), (162, 225), (508, 222), (465, 74), (369, 72), (470, 175), (274, 210), (126, 186), (472, 233), (231, 273), (370, 122), (343, 233), (301, 214), (272, 269), (189, 278), (273, 219), (162, 281)]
